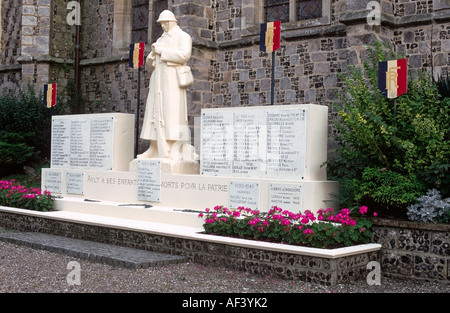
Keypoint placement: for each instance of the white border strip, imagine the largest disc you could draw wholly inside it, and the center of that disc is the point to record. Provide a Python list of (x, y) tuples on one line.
[(193, 233)]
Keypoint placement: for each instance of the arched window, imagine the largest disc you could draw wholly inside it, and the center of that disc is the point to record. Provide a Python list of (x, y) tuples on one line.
[(144, 16), (292, 10), (139, 24), (158, 7)]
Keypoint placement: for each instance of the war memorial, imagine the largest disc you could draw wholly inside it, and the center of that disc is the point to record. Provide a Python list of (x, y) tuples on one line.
[(142, 178)]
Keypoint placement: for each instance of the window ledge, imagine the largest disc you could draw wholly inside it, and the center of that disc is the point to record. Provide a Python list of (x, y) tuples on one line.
[(348, 18)]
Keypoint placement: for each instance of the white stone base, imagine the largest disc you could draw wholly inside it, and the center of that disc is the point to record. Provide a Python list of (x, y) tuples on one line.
[(130, 211), (195, 192)]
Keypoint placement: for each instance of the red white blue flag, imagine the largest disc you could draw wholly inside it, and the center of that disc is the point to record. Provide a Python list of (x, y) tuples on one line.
[(137, 55), (270, 36), (50, 95), (393, 78)]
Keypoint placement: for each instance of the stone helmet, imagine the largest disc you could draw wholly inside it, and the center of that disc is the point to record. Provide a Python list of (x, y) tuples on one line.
[(166, 16)]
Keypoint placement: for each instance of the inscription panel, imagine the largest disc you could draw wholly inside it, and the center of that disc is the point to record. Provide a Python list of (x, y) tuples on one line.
[(53, 181), (254, 143), (243, 193), (149, 180), (75, 183), (286, 196), (83, 143)]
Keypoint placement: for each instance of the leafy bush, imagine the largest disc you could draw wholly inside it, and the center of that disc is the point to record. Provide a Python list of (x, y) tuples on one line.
[(18, 196), (25, 131), (408, 136), (326, 230), (430, 208), (387, 189)]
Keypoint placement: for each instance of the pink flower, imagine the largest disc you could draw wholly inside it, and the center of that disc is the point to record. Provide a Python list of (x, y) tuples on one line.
[(363, 210), (363, 229), (375, 214), (200, 215)]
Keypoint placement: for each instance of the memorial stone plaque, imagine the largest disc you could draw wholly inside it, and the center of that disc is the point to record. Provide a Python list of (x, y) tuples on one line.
[(244, 193), (286, 196), (254, 143), (149, 180), (83, 142), (75, 183), (60, 150), (286, 143), (79, 143), (249, 143), (101, 143), (53, 181), (217, 142)]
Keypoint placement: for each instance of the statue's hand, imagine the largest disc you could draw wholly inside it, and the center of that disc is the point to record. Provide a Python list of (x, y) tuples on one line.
[(156, 48)]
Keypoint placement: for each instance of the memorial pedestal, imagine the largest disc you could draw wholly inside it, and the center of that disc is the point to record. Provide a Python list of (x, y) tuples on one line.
[(256, 157)]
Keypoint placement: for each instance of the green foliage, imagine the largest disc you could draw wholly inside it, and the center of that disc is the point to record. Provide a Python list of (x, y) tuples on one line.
[(25, 131), (18, 196), (388, 190), (408, 136), (14, 148)]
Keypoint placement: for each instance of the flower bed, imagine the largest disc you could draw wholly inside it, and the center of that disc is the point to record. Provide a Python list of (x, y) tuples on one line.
[(17, 196), (326, 230)]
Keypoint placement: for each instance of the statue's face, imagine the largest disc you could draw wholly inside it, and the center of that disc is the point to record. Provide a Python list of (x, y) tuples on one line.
[(165, 26)]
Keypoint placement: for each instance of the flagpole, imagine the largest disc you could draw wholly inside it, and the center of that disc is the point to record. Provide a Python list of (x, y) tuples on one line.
[(272, 100), (138, 113)]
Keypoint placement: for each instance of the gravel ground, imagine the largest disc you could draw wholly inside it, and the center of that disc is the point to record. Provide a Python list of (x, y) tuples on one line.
[(27, 270)]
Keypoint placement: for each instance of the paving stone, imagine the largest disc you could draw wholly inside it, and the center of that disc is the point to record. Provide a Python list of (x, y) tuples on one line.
[(94, 251)]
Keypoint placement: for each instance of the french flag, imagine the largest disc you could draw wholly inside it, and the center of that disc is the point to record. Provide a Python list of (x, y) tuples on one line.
[(136, 59), (393, 78), (270, 36), (49, 95)]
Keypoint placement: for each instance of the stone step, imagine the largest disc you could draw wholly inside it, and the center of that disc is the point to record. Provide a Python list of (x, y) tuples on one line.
[(94, 251)]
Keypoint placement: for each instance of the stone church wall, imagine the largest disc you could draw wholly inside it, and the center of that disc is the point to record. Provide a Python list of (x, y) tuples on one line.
[(229, 70)]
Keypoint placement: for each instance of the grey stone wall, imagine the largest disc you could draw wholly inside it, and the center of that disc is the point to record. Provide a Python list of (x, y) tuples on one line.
[(228, 67), (414, 250), (11, 19)]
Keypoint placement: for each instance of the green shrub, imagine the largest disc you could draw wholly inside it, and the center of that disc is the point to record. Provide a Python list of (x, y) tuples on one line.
[(22, 136), (388, 190), (407, 136), (25, 129)]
